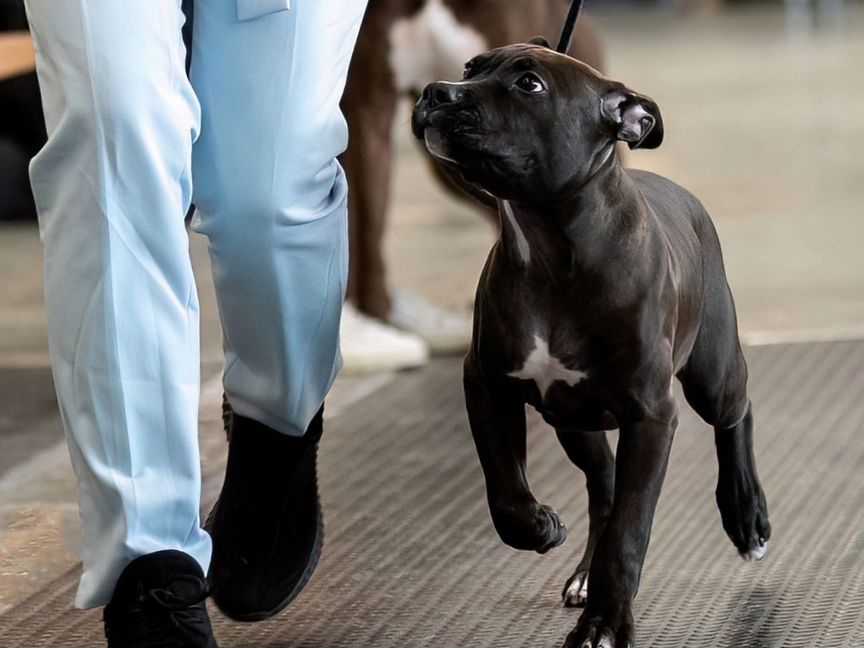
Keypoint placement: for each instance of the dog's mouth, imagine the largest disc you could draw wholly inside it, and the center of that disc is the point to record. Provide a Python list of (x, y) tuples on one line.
[(437, 145), (452, 145), (449, 135), (456, 139)]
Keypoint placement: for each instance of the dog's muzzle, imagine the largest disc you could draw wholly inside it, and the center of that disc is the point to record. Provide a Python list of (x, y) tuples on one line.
[(435, 104)]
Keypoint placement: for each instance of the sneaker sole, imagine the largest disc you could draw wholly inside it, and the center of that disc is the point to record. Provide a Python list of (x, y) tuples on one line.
[(382, 362)]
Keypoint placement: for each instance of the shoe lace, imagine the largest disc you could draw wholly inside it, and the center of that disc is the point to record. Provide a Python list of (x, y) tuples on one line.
[(166, 615)]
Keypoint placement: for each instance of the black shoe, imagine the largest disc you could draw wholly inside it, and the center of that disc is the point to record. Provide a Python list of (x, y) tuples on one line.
[(158, 602), (266, 526)]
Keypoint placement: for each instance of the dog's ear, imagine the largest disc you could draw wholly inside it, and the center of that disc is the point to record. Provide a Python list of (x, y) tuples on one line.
[(539, 40), (634, 118)]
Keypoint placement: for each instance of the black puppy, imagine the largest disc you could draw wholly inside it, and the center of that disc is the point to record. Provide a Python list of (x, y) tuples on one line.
[(605, 284)]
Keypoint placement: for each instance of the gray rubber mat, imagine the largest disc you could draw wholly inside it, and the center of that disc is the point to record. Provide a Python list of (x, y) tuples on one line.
[(411, 558), (30, 420)]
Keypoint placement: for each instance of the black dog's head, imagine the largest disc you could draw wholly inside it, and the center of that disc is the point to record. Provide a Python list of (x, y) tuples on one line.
[(527, 122)]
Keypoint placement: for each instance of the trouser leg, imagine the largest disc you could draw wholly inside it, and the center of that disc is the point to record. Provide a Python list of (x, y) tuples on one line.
[(271, 197), (112, 186)]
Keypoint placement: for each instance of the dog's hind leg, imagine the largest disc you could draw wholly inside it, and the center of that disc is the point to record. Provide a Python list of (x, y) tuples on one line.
[(497, 418), (715, 385), (591, 453), (739, 494)]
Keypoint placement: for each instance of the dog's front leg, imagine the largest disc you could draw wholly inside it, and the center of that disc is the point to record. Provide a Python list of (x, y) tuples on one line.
[(497, 417), (590, 451), (643, 453)]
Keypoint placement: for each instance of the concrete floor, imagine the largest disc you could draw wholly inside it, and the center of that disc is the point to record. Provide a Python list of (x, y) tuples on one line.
[(763, 123)]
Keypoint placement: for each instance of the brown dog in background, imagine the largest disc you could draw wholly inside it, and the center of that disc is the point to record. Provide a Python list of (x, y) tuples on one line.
[(404, 45)]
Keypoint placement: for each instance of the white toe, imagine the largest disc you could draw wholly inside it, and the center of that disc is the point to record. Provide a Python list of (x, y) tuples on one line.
[(577, 591), (605, 641), (756, 554)]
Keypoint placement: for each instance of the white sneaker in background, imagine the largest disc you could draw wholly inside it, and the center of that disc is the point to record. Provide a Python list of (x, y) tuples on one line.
[(370, 345), (444, 331)]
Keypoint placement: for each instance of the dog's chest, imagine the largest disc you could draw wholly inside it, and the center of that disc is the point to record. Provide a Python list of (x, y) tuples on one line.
[(544, 368), (560, 385), (431, 45)]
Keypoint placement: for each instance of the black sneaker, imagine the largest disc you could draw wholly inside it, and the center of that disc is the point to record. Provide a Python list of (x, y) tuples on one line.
[(266, 526), (158, 602)]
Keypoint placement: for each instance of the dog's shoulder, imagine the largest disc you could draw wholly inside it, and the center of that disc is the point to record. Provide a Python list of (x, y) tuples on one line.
[(670, 201), (661, 191)]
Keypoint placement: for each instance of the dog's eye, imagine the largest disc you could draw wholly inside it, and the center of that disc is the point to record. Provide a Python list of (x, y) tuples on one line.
[(469, 67), (530, 82)]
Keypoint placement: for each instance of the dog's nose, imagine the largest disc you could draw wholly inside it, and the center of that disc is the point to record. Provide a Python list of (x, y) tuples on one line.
[(442, 93)]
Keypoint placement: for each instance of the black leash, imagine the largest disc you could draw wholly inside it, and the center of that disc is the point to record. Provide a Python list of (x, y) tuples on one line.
[(569, 24)]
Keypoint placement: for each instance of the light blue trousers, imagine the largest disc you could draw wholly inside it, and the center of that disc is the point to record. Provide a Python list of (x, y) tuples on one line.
[(256, 133)]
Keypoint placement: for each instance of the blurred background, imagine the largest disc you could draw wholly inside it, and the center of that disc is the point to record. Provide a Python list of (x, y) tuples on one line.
[(763, 106)]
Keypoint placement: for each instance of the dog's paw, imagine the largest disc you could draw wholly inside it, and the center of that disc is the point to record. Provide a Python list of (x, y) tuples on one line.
[(757, 552), (745, 519), (533, 528), (554, 534), (613, 629), (576, 590)]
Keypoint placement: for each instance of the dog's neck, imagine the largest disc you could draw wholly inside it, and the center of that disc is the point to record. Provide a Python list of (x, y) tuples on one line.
[(575, 229)]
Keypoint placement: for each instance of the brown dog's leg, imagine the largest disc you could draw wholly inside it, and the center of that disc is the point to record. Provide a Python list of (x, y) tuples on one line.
[(591, 453), (367, 166), (497, 418), (369, 105)]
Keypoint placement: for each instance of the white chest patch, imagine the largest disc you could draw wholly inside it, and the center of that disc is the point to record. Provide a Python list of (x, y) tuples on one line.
[(544, 369), (430, 46)]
